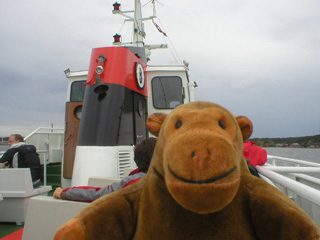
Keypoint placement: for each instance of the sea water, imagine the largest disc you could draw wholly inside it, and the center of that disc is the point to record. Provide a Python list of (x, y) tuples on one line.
[(307, 154), (4, 147)]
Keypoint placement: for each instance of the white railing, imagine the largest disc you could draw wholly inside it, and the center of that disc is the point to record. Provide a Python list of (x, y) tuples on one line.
[(45, 153), (307, 178), (290, 176), (298, 188), (50, 140), (294, 181), (274, 159), (45, 130), (293, 169)]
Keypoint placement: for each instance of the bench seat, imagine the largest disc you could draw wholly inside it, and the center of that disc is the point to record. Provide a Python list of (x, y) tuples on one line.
[(101, 181), (16, 189), (45, 215)]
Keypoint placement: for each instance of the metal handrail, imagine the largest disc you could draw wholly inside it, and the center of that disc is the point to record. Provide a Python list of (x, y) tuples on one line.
[(291, 160), (306, 178), (45, 152), (298, 188), (293, 169), (49, 130)]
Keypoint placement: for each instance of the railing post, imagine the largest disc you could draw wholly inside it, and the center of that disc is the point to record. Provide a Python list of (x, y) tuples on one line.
[(45, 169)]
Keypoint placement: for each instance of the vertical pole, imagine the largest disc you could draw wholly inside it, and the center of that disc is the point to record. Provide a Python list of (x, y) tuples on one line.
[(45, 169), (138, 31)]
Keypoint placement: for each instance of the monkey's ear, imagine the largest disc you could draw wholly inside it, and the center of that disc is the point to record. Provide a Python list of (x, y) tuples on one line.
[(154, 123), (246, 126)]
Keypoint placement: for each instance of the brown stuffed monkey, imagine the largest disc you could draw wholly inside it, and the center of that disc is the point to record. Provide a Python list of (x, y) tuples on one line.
[(198, 187)]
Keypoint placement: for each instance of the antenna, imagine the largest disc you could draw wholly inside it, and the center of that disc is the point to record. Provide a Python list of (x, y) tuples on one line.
[(138, 27)]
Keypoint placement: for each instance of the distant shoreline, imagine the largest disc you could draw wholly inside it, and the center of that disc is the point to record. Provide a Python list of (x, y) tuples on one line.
[(292, 142), (295, 147)]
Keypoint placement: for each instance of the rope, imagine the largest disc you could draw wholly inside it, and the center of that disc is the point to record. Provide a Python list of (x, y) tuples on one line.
[(146, 3), (174, 52), (122, 26)]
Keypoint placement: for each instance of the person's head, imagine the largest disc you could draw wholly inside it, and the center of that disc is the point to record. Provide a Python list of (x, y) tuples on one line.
[(143, 153), (15, 138)]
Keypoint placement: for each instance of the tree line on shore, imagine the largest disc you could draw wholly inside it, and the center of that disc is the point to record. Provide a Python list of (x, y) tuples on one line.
[(304, 142)]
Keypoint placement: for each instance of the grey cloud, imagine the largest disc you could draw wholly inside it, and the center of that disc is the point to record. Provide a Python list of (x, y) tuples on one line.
[(258, 59)]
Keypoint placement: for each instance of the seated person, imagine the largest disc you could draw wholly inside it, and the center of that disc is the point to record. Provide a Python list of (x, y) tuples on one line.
[(142, 156), (21, 155), (253, 154)]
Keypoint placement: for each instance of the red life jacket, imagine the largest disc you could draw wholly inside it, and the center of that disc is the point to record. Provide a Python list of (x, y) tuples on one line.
[(253, 154)]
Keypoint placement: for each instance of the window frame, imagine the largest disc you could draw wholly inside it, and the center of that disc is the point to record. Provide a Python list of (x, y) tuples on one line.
[(71, 87), (153, 95)]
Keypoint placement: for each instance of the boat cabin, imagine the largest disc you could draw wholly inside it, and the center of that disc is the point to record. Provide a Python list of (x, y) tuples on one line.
[(113, 108)]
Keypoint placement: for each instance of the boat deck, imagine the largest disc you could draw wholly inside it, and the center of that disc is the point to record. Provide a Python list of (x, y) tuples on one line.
[(7, 228), (53, 179), (293, 178)]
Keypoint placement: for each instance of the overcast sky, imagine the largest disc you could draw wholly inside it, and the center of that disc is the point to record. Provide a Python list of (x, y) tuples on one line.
[(256, 58)]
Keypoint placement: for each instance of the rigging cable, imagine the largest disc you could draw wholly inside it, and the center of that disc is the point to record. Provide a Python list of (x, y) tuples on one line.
[(122, 26), (167, 39), (172, 48), (146, 3)]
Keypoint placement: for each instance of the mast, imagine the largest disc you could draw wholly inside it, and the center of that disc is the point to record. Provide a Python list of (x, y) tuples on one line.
[(138, 31), (138, 27)]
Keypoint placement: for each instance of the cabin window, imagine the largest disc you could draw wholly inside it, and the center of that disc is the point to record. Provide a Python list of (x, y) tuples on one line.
[(77, 91), (167, 92)]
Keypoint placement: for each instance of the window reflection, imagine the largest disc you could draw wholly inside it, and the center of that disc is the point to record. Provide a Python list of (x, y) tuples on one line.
[(77, 91), (167, 92)]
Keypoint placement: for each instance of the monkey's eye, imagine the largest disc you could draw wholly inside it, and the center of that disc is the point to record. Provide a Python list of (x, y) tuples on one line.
[(178, 124), (221, 124)]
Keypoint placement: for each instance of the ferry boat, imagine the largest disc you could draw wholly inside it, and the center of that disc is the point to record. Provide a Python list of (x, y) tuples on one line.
[(121, 91), (106, 110)]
